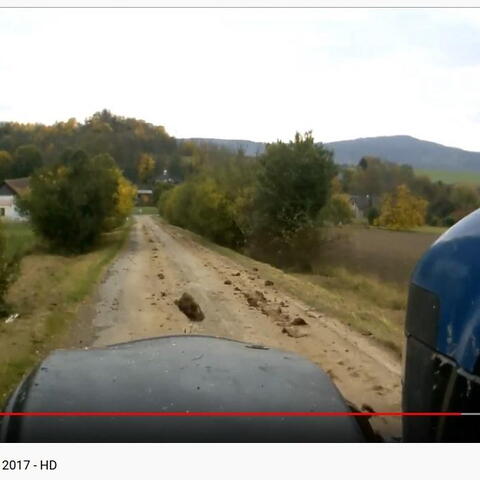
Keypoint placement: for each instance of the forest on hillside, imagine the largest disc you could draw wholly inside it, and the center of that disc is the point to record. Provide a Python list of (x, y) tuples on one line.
[(25, 147)]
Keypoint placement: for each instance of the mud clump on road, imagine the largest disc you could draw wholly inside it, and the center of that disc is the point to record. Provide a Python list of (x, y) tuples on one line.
[(299, 321), (293, 332), (188, 306), (255, 298)]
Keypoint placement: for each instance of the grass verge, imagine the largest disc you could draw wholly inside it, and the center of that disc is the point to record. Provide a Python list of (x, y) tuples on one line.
[(19, 238), (47, 294)]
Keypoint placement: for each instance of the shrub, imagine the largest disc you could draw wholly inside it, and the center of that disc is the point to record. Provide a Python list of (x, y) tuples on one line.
[(73, 201), (8, 270), (449, 222), (337, 210)]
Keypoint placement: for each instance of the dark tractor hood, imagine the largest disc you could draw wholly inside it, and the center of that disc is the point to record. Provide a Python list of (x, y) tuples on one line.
[(178, 374)]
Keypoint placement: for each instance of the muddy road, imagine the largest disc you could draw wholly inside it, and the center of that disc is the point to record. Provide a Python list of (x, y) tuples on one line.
[(137, 297)]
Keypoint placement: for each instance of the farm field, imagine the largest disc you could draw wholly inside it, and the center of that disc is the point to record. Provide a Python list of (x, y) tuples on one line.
[(448, 176), (383, 254)]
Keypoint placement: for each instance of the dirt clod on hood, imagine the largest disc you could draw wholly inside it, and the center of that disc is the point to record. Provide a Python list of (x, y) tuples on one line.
[(187, 305)]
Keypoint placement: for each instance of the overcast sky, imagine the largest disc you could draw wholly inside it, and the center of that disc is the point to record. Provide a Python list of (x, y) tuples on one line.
[(249, 74)]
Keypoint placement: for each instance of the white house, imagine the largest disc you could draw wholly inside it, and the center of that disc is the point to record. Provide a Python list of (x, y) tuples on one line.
[(9, 191)]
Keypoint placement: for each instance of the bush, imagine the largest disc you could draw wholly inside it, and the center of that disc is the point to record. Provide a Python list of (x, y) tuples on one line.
[(449, 222), (73, 201), (159, 190), (203, 207), (8, 270), (337, 210), (216, 201)]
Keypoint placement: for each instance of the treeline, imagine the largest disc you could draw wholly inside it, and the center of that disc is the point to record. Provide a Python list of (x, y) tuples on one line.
[(444, 204), (141, 150)]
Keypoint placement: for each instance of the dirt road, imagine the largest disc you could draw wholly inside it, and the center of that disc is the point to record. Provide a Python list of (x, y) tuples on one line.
[(160, 262)]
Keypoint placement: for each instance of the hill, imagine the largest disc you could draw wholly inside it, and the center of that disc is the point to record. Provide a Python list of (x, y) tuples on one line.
[(405, 149), (250, 148), (397, 149)]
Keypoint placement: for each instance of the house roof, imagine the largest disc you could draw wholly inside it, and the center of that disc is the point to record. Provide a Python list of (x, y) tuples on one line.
[(18, 185)]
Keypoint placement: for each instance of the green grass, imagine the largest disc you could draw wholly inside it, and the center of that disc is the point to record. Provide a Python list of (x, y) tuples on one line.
[(19, 238), (447, 176), (422, 229), (145, 210), (430, 229)]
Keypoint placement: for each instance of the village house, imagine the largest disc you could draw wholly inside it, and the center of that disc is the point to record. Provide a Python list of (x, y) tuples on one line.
[(362, 203), (144, 196), (9, 191)]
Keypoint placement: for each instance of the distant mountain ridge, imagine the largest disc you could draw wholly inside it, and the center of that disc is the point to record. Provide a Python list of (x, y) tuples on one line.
[(396, 149), (249, 148)]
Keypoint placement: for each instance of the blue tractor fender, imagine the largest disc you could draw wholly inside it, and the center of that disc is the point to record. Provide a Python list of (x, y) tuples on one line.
[(451, 271)]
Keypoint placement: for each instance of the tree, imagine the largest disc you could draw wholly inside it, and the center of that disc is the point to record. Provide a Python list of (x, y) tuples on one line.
[(124, 201), (71, 203), (338, 210), (293, 185), (6, 164), (27, 159), (401, 210), (145, 167), (175, 169), (465, 199)]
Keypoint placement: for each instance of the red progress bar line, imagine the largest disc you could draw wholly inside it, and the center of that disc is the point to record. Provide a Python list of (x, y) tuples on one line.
[(230, 414)]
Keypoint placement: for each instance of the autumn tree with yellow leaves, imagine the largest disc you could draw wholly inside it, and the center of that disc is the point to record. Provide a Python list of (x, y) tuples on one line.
[(401, 210), (145, 167)]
